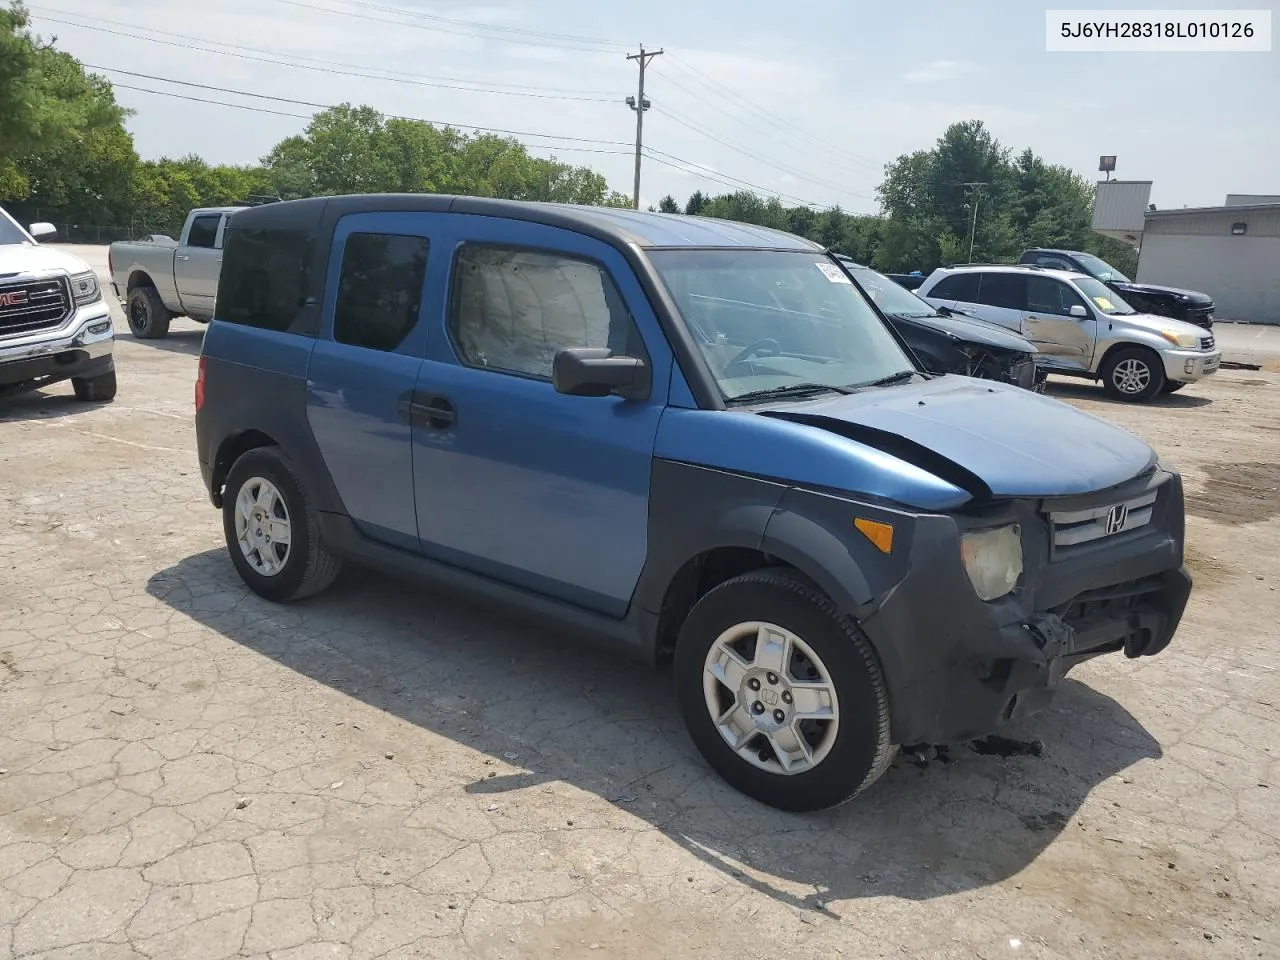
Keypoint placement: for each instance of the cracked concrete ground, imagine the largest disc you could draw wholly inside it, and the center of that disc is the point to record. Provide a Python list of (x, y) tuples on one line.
[(189, 772)]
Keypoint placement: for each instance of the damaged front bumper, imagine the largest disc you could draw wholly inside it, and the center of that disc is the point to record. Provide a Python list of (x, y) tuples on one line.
[(959, 668)]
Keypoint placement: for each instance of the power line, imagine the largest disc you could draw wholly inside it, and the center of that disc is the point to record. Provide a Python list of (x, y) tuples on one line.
[(334, 70), (733, 96), (292, 56), (306, 116), (769, 134), (690, 166), (329, 106), (712, 136), (498, 28), (472, 32)]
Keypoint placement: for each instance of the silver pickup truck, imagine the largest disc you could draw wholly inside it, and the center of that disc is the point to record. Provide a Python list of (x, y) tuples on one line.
[(159, 279)]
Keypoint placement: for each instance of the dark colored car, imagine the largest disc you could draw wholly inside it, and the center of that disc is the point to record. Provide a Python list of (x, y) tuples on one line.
[(910, 281), (695, 441), (1190, 306), (951, 342)]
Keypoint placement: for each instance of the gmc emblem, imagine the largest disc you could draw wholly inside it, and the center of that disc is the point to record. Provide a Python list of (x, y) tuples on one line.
[(13, 298)]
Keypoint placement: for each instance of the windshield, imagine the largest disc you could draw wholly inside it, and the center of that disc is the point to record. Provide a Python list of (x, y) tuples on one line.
[(890, 297), (10, 232), (1104, 298), (767, 320), (1100, 269)]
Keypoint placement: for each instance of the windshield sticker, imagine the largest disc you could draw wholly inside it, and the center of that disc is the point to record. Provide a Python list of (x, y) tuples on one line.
[(1104, 304), (833, 273)]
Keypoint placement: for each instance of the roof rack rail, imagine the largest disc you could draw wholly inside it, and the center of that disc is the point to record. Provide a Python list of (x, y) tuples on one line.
[(1028, 266), (255, 200)]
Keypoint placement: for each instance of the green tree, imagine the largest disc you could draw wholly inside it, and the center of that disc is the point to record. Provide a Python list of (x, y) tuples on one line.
[(695, 203), (64, 152), (668, 204)]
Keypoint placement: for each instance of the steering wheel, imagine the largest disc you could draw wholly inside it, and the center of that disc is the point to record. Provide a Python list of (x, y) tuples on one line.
[(765, 343)]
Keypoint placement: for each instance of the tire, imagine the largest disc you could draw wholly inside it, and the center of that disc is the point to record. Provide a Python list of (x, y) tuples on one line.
[(303, 568), (846, 755), (1133, 374), (1173, 386), (99, 389), (147, 315)]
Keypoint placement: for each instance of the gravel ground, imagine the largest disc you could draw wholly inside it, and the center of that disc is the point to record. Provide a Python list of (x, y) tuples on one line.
[(189, 772)]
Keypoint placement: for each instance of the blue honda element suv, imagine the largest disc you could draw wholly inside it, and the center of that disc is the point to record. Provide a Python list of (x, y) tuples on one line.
[(697, 441)]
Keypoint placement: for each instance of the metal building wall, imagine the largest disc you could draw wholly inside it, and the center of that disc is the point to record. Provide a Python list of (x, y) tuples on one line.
[(1242, 274)]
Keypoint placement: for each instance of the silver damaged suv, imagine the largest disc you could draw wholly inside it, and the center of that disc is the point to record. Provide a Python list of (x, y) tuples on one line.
[(1080, 326)]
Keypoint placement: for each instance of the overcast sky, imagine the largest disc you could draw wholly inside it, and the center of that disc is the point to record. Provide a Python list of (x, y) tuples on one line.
[(802, 98)]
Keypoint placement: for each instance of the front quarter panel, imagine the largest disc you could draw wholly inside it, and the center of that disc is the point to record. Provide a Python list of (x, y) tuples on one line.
[(1115, 331), (741, 442)]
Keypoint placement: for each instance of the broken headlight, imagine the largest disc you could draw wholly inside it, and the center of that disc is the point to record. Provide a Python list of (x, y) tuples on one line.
[(992, 559)]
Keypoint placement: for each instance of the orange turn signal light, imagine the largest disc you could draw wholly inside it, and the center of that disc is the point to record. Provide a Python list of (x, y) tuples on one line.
[(881, 534)]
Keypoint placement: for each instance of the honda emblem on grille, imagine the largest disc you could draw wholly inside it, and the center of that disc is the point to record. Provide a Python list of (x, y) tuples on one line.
[(1117, 517), (12, 298)]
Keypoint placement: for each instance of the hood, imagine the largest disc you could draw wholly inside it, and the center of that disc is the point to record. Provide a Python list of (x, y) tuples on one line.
[(23, 258), (970, 330), (991, 439), (1158, 290)]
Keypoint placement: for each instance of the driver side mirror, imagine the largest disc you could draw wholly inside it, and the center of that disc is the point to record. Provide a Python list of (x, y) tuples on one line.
[(1079, 312), (596, 372), (41, 230)]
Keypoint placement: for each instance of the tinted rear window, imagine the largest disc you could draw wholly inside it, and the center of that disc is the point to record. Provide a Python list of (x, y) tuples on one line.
[(1007, 290), (379, 290), (960, 286), (264, 277)]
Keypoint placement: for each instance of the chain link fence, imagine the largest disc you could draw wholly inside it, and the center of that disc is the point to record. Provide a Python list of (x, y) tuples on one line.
[(108, 233)]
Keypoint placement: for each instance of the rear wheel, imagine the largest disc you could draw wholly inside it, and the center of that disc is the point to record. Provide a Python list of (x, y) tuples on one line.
[(1135, 374), (148, 316), (99, 389), (781, 693), (271, 529)]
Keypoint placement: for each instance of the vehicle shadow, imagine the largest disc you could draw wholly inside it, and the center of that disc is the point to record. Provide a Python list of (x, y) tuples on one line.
[(45, 403), (575, 714), (1079, 390), (177, 341)]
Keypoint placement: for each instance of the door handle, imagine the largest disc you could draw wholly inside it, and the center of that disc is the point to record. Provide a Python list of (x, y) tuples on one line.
[(435, 413), (183, 256)]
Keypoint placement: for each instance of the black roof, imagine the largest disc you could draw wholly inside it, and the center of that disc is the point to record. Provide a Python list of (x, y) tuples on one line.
[(614, 225)]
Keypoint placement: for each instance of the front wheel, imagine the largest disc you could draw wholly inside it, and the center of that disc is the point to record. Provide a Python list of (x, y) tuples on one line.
[(272, 531), (1135, 374), (781, 693)]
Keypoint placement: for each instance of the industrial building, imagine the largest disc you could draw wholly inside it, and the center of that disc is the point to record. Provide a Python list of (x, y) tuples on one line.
[(1231, 252)]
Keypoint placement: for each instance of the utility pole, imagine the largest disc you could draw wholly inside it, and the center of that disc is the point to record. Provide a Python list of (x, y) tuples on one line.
[(639, 104), (973, 227)]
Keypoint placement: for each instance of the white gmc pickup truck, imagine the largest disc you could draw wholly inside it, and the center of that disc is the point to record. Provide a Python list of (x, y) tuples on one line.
[(54, 324), (157, 280)]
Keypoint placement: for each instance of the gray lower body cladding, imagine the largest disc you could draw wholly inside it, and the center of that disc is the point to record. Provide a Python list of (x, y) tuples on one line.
[(960, 667), (957, 667)]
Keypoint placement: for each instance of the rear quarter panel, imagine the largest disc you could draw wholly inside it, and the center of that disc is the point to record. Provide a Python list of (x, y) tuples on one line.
[(255, 390)]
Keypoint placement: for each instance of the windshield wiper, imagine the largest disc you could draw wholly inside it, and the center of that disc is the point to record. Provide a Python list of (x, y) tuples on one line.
[(899, 377), (798, 391)]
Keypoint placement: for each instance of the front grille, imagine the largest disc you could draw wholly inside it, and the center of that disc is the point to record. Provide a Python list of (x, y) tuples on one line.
[(1200, 316), (1206, 343), (1073, 528), (33, 305)]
